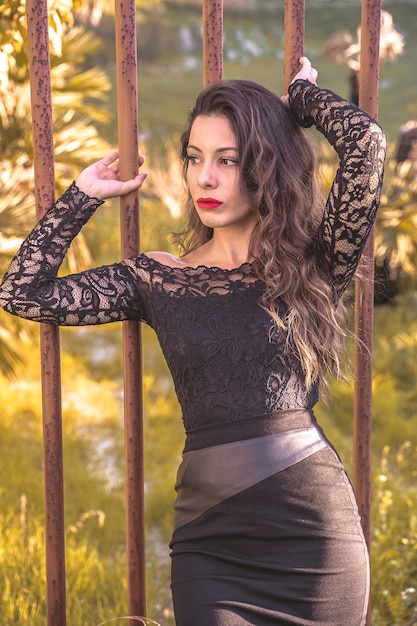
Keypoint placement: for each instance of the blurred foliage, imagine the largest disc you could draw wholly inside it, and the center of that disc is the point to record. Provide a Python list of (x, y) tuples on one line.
[(94, 490), (394, 538), (82, 78), (93, 469), (79, 96), (396, 222), (95, 585), (396, 227)]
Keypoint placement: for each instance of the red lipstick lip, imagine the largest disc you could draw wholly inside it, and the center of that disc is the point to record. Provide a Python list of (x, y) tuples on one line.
[(208, 203)]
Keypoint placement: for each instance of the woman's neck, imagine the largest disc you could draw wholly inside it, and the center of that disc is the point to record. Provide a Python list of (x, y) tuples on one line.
[(225, 249)]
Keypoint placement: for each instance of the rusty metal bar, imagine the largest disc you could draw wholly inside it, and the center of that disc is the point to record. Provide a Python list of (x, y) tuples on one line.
[(368, 100), (43, 153), (126, 68), (294, 12), (212, 41), (364, 299)]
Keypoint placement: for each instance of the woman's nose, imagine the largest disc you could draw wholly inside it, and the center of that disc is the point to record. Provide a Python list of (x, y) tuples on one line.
[(207, 176)]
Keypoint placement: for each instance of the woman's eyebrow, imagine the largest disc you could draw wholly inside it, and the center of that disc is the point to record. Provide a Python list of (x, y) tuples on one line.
[(225, 149)]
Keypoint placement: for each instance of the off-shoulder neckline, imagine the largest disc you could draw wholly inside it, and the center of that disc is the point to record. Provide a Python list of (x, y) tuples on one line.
[(249, 264)]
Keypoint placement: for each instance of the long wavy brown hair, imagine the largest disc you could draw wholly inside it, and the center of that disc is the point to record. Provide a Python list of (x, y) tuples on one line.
[(278, 168)]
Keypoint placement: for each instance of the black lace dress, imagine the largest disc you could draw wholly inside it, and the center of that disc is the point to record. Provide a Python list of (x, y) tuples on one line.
[(266, 527)]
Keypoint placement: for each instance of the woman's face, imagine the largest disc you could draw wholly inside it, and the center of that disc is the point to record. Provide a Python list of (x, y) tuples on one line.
[(213, 175)]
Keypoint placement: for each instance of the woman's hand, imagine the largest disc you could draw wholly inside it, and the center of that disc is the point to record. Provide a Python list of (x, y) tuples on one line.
[(101, 179), (307, 72)]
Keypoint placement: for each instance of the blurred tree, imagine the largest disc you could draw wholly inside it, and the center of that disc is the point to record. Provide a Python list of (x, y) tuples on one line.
[(396, 232), (396, 224), (79, 96), (343, 47)]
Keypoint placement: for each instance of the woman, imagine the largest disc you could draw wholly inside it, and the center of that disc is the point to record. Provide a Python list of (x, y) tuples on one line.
[(250, 320)]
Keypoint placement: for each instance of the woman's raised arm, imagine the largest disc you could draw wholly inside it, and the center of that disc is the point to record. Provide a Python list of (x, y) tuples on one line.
[(31, 288)]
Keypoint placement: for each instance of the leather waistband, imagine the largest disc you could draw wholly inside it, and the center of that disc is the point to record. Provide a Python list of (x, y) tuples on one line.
[(209, 475), (258, 426)]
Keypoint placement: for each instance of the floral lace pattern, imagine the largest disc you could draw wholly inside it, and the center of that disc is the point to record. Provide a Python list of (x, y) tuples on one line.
[(215, 337)]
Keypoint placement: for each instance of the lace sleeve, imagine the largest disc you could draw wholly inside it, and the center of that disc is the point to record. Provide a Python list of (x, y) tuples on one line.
[(355, 193), (31, 288)]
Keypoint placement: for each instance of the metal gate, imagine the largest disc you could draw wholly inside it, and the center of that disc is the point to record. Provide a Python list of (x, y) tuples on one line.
[(126, 54)]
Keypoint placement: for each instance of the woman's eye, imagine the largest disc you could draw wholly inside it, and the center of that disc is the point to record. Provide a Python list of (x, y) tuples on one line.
[(228, 161), (192, 159)]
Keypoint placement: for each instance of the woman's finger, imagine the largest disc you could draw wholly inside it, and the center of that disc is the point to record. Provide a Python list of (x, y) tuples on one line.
[(110, 158)]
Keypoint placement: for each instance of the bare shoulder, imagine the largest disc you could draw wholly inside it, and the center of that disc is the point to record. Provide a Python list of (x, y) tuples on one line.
[(196, 258), (165, 258)]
